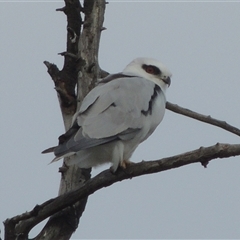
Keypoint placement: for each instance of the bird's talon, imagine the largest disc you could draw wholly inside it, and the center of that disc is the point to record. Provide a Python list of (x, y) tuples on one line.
[(125, 163)]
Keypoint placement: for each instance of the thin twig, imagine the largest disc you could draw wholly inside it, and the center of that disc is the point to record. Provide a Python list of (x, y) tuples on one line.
[(203, 118)]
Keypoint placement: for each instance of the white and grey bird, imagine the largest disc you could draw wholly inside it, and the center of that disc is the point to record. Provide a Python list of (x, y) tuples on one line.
[(117, 115)]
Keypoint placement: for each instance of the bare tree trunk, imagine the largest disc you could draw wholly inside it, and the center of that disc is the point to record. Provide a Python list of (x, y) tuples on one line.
[(80, 68), (84, 68)]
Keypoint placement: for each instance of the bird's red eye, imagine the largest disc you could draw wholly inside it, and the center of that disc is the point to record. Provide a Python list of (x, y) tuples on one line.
[(151, 69)]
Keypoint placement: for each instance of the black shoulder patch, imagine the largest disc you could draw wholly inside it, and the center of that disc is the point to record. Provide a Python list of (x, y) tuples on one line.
[(156, 91)]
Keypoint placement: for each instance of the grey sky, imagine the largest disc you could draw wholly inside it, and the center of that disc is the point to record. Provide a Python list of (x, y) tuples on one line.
[(199, 43)]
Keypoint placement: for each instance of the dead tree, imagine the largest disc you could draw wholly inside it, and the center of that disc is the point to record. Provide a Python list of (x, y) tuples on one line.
[(81, 69)]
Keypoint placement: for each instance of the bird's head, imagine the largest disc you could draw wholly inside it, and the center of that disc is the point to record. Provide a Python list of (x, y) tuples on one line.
[(150, 69)]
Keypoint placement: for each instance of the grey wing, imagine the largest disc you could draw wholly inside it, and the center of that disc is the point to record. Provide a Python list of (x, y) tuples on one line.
[(120, 106), (115, 110)]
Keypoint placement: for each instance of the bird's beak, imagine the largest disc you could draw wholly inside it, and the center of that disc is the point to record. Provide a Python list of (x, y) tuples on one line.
[(167, 81)]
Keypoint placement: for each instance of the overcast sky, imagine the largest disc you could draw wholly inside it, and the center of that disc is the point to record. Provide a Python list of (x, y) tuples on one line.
[(199, 42)]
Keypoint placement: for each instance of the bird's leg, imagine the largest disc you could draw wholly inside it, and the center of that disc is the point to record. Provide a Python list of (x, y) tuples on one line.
[(122, 165)]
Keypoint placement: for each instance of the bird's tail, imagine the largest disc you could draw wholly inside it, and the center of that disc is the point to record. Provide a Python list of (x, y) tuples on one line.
[(51, 149)]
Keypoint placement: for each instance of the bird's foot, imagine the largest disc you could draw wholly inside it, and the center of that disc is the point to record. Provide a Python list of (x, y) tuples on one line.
[(122, 166), (125, 163)]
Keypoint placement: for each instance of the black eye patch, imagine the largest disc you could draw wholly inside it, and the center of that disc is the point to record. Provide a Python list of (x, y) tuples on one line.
[(151, 69)]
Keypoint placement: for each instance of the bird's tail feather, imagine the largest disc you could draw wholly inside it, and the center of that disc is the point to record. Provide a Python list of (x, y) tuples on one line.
[(51, 149), (62, 156), (56, 159)]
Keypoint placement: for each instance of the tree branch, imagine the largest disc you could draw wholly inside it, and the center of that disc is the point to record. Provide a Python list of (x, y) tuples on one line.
[(203, 118), (106, 178)]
